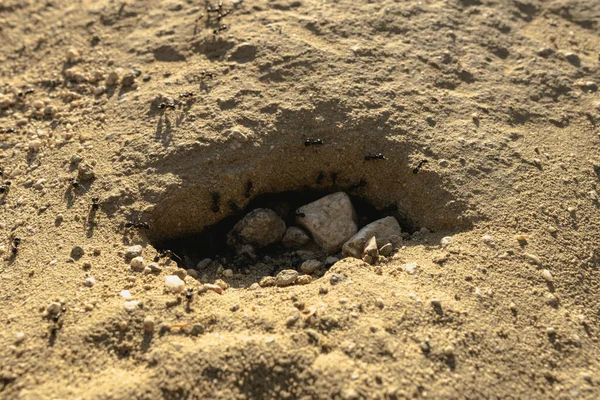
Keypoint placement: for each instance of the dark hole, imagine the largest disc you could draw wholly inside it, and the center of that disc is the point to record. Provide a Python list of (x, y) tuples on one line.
[(210, 242)]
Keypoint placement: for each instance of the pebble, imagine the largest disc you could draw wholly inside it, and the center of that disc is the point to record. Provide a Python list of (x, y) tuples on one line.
[(512, 307), (446, 241), (382, 229), (304, 280), (235, 307), (38, 104), (294, 238), (449, 350), (532, 258), (310, 266), (286, 277), (85, 172), (379, 302), (521, 238), (192, 273), (89, 282), (331, 260), (330, 221), (203, 264), (149, 324), (410, 267), (260, 227), (137, 263), (132, 305), (77, 252), (181, 273), (222, 284), (572, 58), (154, 267), (54, 308), (128, 79), (20, 337), (228, 273), (254, 286), (386, 249), (551, 331), (35, 145), (174, 284), (2, 249), (336, 279), (487, 239), (72, 55), (197, 329), (547, 275), (126, 294), (112, 79), (134, 251), (214, 288), (371, 253), (267, 281)]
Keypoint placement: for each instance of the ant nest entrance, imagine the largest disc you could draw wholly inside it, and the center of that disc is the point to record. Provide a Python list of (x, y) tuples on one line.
[(289, 238)]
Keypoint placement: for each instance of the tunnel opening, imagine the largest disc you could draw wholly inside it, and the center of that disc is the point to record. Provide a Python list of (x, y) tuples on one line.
[(194, 250)]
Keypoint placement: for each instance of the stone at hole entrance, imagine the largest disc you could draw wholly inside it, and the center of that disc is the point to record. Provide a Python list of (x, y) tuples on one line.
[(382, 229), (260, 227)]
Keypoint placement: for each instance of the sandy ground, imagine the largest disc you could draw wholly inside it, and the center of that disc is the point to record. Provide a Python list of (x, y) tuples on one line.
[(499, 96)]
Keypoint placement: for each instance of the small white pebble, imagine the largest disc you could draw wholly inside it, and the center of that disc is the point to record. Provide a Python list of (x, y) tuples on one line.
[(487, 239), (20, 337), (379, 302), (547, 275), (551, 331), (131, 305), (35, 145), (174, 284), (89, 282), (137, 263), (126, 295), (446, 241), (449, 351), (478, 292)]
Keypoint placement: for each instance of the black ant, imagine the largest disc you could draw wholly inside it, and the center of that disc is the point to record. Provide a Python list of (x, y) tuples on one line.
[(165, 254), (248, 191), (334, 177), (419, 165), (220, 29), (376, 156), (216, 197), (1, 172), (6, 187), (320, 178), (74, 183), (190, 292), (15, 245), (170, 106), (313, 142), (138, 225), (8, 130), (358, 185), (186, 95), (95, 203), (29, 91), (207, 74), (299, 214)]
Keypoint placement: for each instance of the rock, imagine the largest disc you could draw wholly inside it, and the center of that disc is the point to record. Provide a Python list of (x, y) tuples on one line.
[(211, 287), (573, 58), (254, 286), (286, 277), (112, 79), (192, 273), (174, 284), (149, 324), (54, 308), (203, 264), (20, 338), (446, 241), (383, 229), (547, 275), (134, 251), (334, 279), (310, 266), (128, 79), (532, 259), (137, 263), (267, 281), (371, 253), (331, 260), (132, 305), (77, 252), (89, 282), (410, 267), (72, 55), (85, 173), (222, 284), (294, 238), (260, 227), (488, 240), (386, 249), (330, 220), (126, 294), (303, 280), (181, 273), (154, 267), (197, 329), (228, 273), (396, 241)]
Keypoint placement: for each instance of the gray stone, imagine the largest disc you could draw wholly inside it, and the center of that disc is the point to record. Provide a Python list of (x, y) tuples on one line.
[(386, 249), (86, 173), (286, 277), (203, 264), (260, 228), (267, 281), (294, 238), (77, 252), (330, 220), (310, 266), (134, 251), (371, 252), (383, 229), (128, 79)]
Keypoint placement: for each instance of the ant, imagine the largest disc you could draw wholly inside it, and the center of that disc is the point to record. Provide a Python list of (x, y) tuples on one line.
[(334, 177), (15, 245), (320, 178), (186, 95), (8, 130), (216, 197), (1, 172), (248, 191), (138, 225), (163, 105), (207, 74), (313, 142), (220, 29), (95, 203), (299, 214), (358, 185), (190, 292), (418, 167), (165, 254), (376, 156), (6, 187), (74, 183)]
